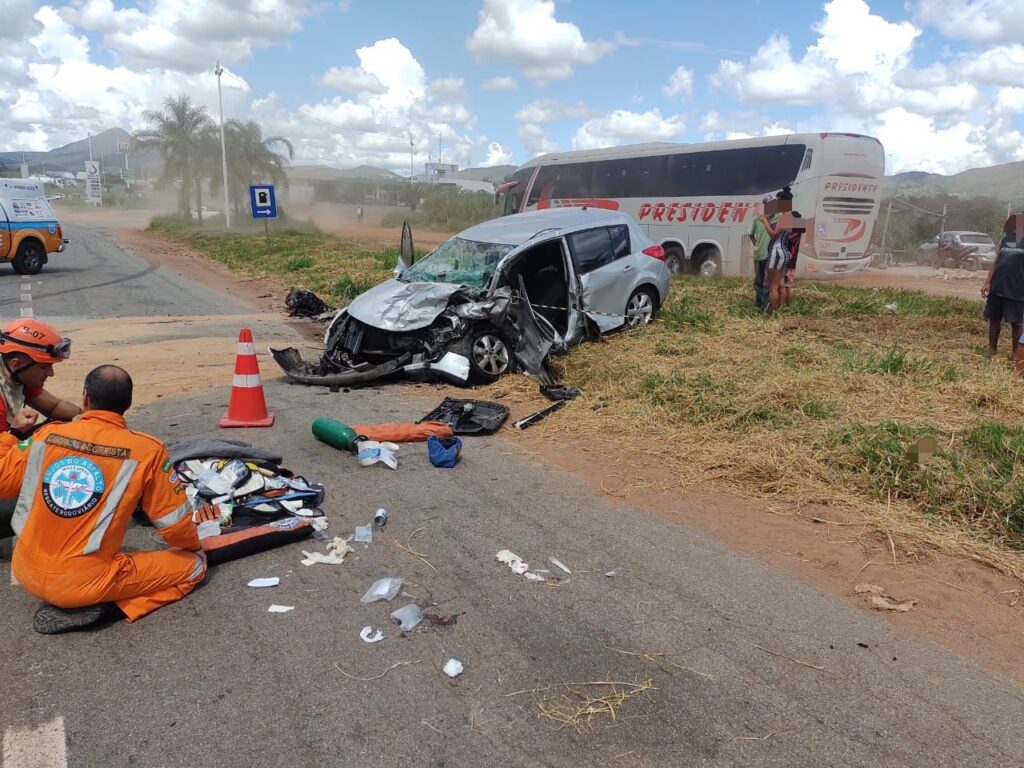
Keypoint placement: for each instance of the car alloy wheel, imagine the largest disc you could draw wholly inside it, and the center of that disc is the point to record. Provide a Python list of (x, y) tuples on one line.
[(490, 354), (639, 309)]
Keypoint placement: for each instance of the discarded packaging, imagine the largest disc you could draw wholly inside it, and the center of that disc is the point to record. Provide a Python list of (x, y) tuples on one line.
[(453, 668), (270, 581), (534, 577), (280, 608), (381, 518), (371, 452), (612, 572), (408, 616), (884, 603), (364, 534), (368, 635), (558, 564), (382, 589)]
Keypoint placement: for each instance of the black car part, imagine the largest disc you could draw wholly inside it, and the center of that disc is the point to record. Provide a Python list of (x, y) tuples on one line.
[(469, 417)]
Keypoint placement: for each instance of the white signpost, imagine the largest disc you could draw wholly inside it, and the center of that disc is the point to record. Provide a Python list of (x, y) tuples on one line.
[(93, 187)]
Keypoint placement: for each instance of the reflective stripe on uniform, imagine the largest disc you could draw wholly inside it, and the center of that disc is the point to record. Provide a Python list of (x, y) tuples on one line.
[(200, 568), (246, 380), (114, 497), (29, 484), (177, 515)]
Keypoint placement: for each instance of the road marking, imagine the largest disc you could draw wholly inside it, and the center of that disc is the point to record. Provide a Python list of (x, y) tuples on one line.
[(41, 747), (26, 297), (27, 312)]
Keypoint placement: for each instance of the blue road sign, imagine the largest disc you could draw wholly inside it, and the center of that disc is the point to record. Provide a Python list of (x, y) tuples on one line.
[(262, 201)]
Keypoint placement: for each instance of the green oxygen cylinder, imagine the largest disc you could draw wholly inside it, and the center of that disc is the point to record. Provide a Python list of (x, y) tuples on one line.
[(334, 433)]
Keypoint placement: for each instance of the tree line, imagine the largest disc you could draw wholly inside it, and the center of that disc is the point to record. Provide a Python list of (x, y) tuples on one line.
[(188, 142), (916, 219)]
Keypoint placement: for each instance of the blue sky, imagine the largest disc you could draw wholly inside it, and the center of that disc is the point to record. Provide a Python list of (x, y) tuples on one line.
[(940, 82)]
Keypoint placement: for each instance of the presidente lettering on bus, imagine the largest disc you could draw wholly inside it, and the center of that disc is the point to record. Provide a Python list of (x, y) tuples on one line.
[(849, 186), (728, 212)]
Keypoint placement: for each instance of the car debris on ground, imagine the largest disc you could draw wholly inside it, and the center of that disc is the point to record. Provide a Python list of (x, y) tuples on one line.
[(301, 303), (468, 417)]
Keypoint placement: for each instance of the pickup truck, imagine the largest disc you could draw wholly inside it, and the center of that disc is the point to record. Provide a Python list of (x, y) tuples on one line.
[(29, 230)]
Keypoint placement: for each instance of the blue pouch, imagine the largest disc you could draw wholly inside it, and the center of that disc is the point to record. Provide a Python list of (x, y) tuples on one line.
[(444, 451)]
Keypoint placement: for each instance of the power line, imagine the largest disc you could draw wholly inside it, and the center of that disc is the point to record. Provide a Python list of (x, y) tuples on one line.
[(898, 201)]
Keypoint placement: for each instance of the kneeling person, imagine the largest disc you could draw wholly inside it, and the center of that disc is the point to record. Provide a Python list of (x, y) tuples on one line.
[(80, 483)]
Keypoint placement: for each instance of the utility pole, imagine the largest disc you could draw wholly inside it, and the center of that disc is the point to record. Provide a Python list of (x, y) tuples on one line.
[(218, 71), (885, 230), (943, 228)]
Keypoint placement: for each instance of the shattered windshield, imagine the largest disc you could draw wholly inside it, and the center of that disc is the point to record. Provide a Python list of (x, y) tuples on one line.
[(459, 261)]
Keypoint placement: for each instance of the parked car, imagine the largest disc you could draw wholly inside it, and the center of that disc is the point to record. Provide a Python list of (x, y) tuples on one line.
[(207, 213), (495, 298), (957, 249)]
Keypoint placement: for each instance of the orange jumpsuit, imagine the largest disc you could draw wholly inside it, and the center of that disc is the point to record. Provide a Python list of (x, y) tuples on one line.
[(80, 483)]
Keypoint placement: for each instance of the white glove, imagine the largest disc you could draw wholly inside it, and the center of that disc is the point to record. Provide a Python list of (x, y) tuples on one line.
[(370, 452)]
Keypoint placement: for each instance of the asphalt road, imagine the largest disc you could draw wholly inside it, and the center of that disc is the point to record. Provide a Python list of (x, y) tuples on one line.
[(94, 278), (748, 667)]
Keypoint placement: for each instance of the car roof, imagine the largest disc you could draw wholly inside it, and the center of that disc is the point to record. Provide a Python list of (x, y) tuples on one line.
[(520, 227)]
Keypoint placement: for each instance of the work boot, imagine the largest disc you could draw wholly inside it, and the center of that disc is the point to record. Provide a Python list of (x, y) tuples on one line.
[(51, 620)]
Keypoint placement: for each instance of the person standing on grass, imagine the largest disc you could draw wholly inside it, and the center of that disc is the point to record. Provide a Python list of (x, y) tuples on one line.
[(1004, 289), (781, 260), (759, 233)]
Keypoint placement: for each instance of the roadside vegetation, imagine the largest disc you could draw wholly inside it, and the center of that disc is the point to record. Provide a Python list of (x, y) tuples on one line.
[(444, 209), (819, 406)]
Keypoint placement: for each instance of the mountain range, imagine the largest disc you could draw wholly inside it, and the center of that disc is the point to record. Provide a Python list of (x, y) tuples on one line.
[(1004, 182)]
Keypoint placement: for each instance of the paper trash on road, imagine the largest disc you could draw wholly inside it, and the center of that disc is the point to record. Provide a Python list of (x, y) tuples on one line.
[(382, 589), (269, 581), (368, 635), (559, 564), (364, 534), (885, 604), (453, 668), (280, 608)]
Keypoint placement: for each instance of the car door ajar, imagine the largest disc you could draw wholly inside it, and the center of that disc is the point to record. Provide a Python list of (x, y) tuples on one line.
[(607, 272)]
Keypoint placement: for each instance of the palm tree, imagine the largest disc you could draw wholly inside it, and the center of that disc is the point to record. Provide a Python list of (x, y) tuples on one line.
[(253, 159), (178, 134)]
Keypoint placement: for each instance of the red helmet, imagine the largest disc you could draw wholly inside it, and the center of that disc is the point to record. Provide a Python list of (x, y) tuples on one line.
[(39, 340)]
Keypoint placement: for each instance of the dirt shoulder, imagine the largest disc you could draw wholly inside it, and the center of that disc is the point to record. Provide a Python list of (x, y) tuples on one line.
[(962, 606), (937, 282)]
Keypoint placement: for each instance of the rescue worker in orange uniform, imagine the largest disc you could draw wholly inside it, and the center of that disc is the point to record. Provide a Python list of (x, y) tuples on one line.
[(28, 351), (80, 483)]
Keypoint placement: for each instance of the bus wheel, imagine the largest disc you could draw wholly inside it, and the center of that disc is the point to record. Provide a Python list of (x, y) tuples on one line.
[(674, 259), (710, 263)]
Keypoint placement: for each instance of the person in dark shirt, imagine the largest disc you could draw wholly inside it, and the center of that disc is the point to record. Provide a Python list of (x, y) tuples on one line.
[(1004, 288)]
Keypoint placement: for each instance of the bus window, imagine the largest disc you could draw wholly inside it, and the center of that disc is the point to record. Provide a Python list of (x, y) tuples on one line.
[(561, 181)]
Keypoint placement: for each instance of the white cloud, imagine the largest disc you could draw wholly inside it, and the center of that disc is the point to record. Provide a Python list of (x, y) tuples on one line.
[(187, 36), (929, 148), (1010, 100), (527, 33), (624, 127), (536, 140), (1002, 65), (352, 79), (447, 89), (772, 75), (500, 84), (980, 20), (944, 99), (497, 155), (551, 110), (680, 84)]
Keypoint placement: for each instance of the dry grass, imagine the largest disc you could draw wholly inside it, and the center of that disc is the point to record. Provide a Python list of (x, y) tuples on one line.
[(817, 406), (579, 706)]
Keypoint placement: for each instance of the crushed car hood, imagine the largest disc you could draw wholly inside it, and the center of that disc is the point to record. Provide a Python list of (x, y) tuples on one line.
[(398, 306)]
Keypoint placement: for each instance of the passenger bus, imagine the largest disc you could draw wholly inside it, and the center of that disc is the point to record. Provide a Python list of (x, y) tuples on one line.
[(698, 201)]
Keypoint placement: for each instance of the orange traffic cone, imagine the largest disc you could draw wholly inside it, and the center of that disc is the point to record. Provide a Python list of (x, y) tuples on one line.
[(247, 407)]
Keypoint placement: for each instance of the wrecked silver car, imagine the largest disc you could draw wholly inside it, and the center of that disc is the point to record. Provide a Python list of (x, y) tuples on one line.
[(495, 298)]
